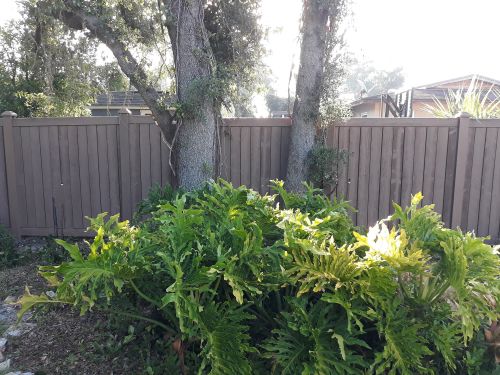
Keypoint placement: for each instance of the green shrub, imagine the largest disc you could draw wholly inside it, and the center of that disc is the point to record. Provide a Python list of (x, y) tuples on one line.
[(8, 255), (238, 285)]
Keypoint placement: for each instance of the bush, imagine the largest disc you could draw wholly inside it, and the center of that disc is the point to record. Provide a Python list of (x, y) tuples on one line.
[(8, 254), (237, 285)]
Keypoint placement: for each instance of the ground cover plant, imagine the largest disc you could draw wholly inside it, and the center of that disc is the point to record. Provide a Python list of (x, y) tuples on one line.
[(235, 283)]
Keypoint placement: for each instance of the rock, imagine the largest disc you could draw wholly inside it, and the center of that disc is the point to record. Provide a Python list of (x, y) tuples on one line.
[(19, 373), (8, 314), (3, 343), (10, 299), (50, 294), (19, 329), (5, 365)]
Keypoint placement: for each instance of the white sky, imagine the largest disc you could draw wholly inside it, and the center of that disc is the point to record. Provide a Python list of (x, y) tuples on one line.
[(432, 40)]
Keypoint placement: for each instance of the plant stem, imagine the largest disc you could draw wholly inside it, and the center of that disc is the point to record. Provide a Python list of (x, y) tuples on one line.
[(144, 296)]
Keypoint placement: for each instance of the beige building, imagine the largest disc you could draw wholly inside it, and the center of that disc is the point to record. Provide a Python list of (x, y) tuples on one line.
[(413, 102)]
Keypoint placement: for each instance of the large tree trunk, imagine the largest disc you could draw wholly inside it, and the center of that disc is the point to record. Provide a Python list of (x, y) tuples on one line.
[(195, 145), (308, 90)]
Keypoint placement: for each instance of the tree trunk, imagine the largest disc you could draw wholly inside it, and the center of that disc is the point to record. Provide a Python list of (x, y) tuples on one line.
[(308, 90), (195, 146)]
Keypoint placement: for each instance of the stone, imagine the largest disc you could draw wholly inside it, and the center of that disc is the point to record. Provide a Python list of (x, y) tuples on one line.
[(3, 344), (19, 329), (19, 373), (10, 299), (5, 365)]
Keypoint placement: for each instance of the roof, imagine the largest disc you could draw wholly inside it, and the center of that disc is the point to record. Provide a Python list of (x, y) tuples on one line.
[(432, 91), (120, 99), (476, 77)]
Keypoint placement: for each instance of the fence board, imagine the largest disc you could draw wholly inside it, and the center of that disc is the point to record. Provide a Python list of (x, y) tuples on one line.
[(384, 198), (363, 176), (29, 181), (235, 152), (4, 198), (265, 161), (494, 222), (408, 162), (475, 180), (255, 157), (246, 157), (374, 175), (429, 157), (487, 181), (83, 161), (418, 160), (113, 167), (75, 182), (353, 168), (95, 192), (397, 165), (440, 168), (145, 153)]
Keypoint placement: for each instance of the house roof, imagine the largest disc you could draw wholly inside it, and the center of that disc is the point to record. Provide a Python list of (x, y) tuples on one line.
[(120, 99), (476, 77), (432, 91)]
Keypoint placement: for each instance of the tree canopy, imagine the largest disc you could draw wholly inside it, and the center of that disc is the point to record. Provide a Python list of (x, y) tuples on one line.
[(47, 69), (364, 79)]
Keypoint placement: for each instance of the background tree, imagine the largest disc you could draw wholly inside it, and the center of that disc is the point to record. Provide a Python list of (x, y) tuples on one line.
[(320, 73), (214, 46), (47, 70), (364, 79), (275, 103)]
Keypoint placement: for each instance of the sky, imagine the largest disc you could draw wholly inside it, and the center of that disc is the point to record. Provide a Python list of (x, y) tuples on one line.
[(433, 40)]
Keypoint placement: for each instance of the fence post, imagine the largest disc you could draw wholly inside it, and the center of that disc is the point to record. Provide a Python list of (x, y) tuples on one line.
[(10, 161), (124, 161), (463, 119)]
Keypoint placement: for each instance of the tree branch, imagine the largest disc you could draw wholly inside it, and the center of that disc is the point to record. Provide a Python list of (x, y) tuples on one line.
[(77, 18)]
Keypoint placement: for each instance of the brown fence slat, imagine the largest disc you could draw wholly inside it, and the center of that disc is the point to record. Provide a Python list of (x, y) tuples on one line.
[(246, 157), (275, 152), (255, 154), (429, 173), (353, 169), (363, 176), (440, 169), (487, 181), (235, 155), (265, 161), (4, 197), (475, 179), (494, 222), (397, 165), (384, 199), (84, 167), (75, 182), (408, 162), (374, 175), (145, 143)]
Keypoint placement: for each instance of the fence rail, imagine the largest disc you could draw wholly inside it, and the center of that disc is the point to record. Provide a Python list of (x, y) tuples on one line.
[(56, 171)]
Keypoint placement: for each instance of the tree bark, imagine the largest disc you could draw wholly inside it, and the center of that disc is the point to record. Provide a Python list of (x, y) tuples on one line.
[(195, 146), (308, 90)]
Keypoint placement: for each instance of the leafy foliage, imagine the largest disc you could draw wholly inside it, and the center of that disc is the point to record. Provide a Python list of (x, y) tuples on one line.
[(238, 285), (46, 70), (478, 101)]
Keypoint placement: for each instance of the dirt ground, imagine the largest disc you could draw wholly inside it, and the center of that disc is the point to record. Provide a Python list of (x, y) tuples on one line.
[(62, 341)]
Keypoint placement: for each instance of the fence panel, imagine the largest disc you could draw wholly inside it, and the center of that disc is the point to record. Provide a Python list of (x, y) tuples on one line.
[(54, 172), (391, 159)]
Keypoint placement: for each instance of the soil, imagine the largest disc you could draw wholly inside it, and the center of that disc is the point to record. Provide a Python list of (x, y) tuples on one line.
[(62, 342)]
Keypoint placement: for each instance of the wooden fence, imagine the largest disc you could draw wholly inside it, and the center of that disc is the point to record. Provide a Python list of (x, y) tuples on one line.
[(54, 172)]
